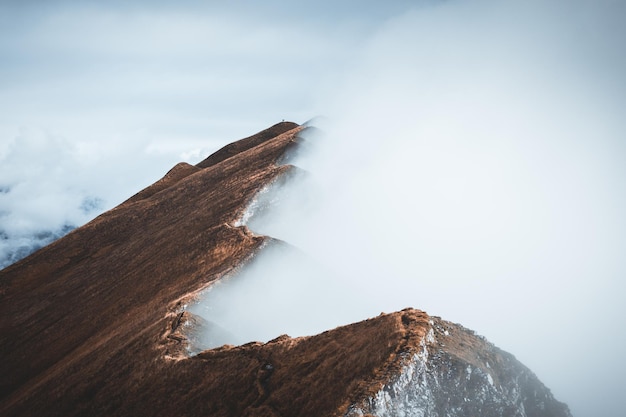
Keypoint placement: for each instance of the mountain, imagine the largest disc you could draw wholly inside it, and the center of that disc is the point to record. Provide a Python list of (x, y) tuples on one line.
[(94, 324)]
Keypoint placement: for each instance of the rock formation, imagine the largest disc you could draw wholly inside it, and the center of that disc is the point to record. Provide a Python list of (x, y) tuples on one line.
[(93, 323)]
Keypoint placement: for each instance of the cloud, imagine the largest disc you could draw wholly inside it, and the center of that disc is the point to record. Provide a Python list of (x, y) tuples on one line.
[(100, 101), (30, 213), (474, 168), (183, 71)]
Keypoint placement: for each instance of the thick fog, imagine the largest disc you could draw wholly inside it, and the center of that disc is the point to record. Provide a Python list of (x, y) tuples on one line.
[(470, 162)]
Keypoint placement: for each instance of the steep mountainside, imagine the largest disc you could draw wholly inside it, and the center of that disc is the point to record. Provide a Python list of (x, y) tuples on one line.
[(93, 323)]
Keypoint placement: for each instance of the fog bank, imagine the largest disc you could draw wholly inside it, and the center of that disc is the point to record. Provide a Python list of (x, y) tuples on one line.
[(473, 167)]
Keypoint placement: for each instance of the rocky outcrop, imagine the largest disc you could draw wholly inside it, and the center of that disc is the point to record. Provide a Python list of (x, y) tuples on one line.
[(454, 373), (94, 323)]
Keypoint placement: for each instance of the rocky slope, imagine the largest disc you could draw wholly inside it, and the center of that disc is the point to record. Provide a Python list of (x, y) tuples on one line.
[(93, 323), (453, 373)]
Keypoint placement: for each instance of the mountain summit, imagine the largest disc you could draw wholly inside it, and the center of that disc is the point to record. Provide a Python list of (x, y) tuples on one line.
[(94, 324)]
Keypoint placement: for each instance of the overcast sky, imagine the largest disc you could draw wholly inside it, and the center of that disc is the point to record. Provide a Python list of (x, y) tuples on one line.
[(473, 163)]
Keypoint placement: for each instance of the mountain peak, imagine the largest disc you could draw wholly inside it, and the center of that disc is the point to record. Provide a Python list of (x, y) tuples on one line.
[(247, 143)]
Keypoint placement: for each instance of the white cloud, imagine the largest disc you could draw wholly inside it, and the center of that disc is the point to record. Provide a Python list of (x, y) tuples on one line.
[(475, 169), (107, 99)]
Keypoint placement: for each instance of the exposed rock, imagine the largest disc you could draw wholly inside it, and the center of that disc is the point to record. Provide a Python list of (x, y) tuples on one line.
[(94, 324), (456, 373)]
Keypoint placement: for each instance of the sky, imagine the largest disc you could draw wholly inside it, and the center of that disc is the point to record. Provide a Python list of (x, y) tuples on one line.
[(470, 159)]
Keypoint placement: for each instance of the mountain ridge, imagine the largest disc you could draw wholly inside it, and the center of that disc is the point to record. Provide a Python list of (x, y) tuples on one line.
[(93, 323)]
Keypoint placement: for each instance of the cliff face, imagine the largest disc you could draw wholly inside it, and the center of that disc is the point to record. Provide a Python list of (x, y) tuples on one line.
[(93, 324)]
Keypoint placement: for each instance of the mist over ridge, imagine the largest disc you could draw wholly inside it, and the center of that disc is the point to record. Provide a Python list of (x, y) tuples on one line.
[(472, 163), (477, 174)]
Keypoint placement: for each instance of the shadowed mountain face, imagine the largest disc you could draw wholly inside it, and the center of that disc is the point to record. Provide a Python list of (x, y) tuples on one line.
[(93, 324)]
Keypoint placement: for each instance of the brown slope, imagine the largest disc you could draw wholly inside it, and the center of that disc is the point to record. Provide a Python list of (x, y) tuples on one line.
[(112, 278), (246, 143), (180, 171), (314, 376)]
